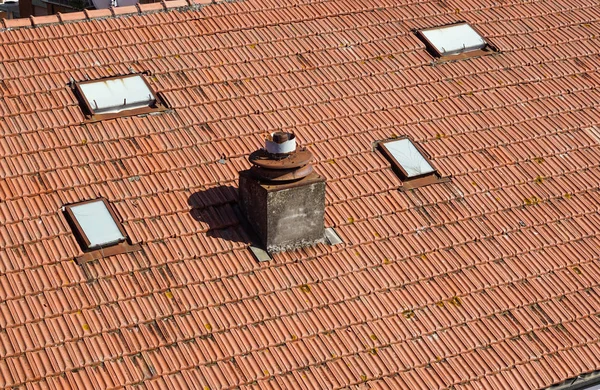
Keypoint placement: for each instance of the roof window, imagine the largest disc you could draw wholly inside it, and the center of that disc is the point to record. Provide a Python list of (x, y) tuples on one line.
[(117, 96), (454, 41), (96, 228), (409, 162)]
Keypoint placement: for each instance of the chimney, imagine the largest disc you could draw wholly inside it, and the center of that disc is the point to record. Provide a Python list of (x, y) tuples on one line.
[(25, 8), (281, 196)]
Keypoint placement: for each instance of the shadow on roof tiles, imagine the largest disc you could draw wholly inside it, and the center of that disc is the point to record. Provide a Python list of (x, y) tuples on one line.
[(217, 207)]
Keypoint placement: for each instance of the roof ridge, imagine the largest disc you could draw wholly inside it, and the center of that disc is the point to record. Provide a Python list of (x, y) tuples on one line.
[(112, 12)]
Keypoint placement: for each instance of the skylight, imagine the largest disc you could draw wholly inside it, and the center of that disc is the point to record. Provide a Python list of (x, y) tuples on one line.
[(408, 157), (95, 224), (117, 95), (409, 162), (453, 40)]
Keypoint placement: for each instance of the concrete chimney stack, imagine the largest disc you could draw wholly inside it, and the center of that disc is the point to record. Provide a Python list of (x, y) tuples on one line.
[(282, 197)]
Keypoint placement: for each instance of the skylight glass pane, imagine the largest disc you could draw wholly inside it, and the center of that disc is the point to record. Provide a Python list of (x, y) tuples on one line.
[(116, 95), (409, 158), (454, 39), (97, 223)]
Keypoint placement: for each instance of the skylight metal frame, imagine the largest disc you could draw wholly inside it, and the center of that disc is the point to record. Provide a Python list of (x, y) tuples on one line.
[(94, 253), (80, 232), (410, 182), (433, 50), (156, 105)]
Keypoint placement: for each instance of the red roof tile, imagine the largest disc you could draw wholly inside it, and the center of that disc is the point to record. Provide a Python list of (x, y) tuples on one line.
[(489, 280)]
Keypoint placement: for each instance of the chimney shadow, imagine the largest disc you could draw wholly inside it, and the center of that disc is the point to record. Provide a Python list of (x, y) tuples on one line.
[(218, 208)]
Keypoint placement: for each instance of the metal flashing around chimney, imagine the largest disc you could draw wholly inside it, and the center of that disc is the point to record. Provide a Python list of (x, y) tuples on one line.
[(332, 237), (281, 197), (260, 254)]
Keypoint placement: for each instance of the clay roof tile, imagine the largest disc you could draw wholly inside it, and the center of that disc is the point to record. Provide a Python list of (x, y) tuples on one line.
[(486, 280)]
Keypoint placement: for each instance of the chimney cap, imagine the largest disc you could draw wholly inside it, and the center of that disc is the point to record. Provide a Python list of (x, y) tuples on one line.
[(280, 143), (281, 136)]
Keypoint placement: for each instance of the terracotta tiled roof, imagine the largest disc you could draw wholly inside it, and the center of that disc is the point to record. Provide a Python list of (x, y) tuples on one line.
[(487, 281)]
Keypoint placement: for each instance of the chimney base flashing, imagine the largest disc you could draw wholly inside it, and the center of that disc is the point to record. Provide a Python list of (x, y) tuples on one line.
[(285, 248)]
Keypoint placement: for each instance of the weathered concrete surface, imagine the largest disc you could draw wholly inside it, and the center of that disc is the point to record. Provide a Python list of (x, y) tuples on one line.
[(285, 216)]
